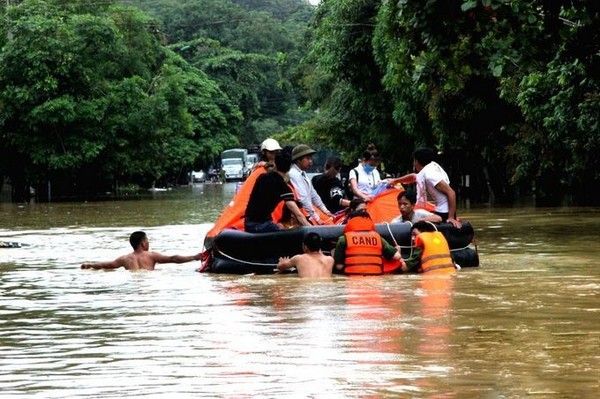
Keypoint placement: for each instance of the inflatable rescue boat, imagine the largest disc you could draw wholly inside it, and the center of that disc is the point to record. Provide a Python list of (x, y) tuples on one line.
[(228, 249), (238, 252)]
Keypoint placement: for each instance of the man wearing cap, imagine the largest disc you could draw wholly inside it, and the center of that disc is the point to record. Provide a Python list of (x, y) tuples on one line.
[(268, 150), (308, 196)]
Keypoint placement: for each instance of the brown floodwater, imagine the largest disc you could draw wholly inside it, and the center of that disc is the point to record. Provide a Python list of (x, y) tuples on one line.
[(526, 323)]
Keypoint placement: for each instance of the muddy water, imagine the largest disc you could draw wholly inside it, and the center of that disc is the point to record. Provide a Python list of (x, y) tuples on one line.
[(526, 323)]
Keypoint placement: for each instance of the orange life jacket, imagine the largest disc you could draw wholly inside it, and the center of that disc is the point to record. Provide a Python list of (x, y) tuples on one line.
[(233, 214), (364, 248), (278, 211), (436, 256)]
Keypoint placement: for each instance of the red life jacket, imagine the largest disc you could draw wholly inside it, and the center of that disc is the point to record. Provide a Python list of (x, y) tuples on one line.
[(364, 248), (436, 256)]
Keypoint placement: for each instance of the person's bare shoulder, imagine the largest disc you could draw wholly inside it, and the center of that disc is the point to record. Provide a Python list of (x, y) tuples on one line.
[(307, 260), (148, 259), (324, 258), (328, 262)]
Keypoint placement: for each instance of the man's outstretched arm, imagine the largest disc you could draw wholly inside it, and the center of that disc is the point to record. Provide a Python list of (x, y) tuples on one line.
[(160, 258), (113, 264)]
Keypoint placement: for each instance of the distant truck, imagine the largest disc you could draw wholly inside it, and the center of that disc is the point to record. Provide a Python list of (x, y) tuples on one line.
[(234, 163)]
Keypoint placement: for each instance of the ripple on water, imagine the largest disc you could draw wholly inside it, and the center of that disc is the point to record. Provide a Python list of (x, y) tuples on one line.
[(524, 323)]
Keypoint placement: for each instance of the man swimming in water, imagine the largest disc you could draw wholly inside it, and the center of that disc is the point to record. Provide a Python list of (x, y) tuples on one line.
[(141, 258)]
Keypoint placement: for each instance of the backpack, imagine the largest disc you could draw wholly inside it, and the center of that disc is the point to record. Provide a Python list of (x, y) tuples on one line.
[(347, 187)]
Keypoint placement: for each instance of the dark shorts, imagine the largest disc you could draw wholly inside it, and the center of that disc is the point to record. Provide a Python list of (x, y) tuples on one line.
[(443, 215), (260, 227)]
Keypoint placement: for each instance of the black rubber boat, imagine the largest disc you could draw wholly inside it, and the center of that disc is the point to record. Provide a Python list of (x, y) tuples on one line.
[(237, 252)]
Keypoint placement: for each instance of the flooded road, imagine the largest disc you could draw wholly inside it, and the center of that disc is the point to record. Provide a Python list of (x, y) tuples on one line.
[(526, 323)]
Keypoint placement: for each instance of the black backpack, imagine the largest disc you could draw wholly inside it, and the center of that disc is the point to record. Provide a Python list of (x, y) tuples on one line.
[(346, 181)]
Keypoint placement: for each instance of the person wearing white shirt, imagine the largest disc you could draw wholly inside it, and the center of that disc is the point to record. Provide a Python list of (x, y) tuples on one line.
[(365, 178), (406, 202), (307, 195), (433, 180)]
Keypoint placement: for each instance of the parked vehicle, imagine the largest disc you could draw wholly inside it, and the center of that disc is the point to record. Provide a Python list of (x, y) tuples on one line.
[(198, 176), (234, 162), (252, 161)]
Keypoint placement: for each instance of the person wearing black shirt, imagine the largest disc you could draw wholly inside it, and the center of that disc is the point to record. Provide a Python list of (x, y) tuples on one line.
[(270, 189), (330, 187)]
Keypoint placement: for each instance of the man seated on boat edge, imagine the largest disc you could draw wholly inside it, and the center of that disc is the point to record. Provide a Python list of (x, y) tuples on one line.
[(432, 180), (406, 204), (312, 263), (311, 201), (361, 250), (268, 150), (141, 258), (269, 190)]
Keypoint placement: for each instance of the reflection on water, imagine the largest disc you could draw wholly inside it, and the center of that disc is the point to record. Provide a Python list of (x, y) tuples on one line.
[(524, 324)]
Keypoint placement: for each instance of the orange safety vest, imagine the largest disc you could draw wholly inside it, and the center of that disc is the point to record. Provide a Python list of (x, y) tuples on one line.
[(364, 248), (436, 256), (278, 211)]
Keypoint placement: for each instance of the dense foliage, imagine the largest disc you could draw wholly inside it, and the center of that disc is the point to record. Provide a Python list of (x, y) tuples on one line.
[(97, 95), (94, 95), (507, 91), (252, 49)]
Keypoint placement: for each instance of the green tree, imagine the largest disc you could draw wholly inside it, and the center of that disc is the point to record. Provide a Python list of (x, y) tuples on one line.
[(89, 100), (560, 101), (344, 83), (489, 83), (472, 65), (251, 48)]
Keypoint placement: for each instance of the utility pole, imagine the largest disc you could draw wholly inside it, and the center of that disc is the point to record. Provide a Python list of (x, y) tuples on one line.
[(8, 34)]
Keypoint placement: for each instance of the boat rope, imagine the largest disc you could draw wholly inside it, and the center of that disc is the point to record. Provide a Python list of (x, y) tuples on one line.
[(246, 262), (274, 265), (431, 223), (387, 225), (465, 247)]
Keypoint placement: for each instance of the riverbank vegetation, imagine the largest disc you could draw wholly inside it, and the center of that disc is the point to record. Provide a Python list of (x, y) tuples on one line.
[(99, 94)]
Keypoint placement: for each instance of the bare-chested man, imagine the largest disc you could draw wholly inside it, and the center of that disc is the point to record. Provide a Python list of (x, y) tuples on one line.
[(141, 258), (312, 263)]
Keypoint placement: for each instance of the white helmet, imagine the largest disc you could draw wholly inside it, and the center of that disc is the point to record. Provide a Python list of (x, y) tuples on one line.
[(270, 145)]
